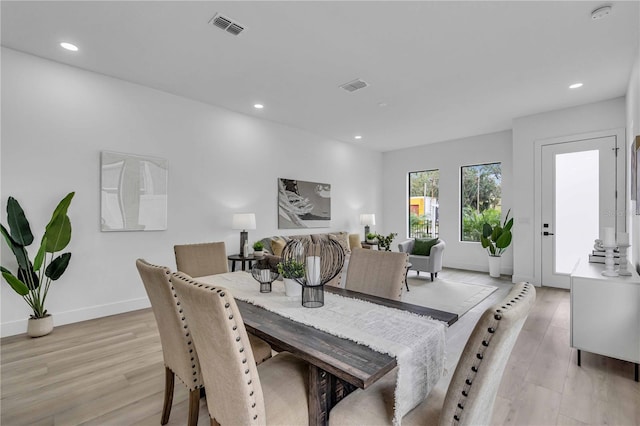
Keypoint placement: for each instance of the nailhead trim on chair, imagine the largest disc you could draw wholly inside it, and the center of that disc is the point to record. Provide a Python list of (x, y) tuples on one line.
[(486, 341), (195, 372), (234, 327)]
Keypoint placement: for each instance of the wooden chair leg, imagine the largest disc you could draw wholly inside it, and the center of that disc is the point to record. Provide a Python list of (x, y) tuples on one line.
[(168, 395), (432, 277), (194, 407)]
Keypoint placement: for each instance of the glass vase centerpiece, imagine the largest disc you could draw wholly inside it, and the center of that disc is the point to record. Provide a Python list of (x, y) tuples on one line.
[(322, 262), (265, 275)]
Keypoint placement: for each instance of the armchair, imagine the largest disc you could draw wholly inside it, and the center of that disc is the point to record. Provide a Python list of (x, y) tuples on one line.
[(431, 263)]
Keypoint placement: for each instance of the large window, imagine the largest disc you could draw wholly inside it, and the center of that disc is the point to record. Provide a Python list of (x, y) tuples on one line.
[(481, 198), (423, 204)]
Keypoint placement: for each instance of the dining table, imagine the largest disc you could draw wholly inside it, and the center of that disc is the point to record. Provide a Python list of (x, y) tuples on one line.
[(337, 365)]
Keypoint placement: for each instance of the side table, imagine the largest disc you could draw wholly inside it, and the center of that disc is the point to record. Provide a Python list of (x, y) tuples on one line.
[(243, 259)]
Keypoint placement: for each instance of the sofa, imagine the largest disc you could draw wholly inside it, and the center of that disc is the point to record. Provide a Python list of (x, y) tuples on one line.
[(273, 249), (431, 262)]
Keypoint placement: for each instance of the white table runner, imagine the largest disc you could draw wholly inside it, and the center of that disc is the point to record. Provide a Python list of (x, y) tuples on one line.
[(417, 342)]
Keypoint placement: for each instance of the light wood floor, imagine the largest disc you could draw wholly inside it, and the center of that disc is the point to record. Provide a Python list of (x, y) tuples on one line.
[(109, 371)]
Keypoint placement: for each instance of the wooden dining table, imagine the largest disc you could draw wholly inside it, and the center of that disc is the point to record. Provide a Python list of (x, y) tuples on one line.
[(337, 366)]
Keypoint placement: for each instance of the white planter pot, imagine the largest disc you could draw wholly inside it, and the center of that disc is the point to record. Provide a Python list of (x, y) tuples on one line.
[(37, 327), (494, 266), (292, 288), (258, 253)]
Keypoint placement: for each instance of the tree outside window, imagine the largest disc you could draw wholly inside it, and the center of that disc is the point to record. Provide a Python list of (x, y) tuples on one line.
[(481, 198), (423, 204)]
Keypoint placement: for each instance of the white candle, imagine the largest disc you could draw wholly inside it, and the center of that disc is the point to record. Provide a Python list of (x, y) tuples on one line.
[(313, 270), (623, 239), (609, 239)]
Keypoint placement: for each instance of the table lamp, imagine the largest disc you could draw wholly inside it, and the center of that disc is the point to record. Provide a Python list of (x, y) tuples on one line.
[(244, 221), (367, 219)]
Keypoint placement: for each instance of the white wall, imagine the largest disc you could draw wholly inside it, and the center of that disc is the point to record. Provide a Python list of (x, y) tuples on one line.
[(526, 131), (633, 130), (55, 121), (448, 157)]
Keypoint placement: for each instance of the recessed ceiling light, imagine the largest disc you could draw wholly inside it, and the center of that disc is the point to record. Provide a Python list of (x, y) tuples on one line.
[(258, 106), (69, 46), (575, 85), (357, 137)]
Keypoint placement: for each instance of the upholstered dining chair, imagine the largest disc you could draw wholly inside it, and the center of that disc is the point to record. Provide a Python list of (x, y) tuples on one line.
[(180, 357), (272, 393), (199, 260), (379, 273), (472, 391)]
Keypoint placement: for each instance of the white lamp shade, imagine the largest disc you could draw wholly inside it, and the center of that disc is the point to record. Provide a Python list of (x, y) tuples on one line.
[(244, 221), (368, 219)]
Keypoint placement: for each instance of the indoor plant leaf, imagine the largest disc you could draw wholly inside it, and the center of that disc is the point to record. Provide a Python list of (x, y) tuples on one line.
[(17, 285), (37, 262), (23, 276), (504, 240), (18, 250), (57, 267), (58, 233), (61, 208), (18, 223), (487, 230)]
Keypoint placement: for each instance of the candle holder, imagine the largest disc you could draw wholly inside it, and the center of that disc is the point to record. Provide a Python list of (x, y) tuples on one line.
[(622, 270), (609, 262), (322, 262), (265, 276)]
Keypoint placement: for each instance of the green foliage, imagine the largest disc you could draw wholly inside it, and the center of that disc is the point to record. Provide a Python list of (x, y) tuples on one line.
[(291, 269), (481, 186), (496, 239), (32, 279), (385, 242), (258, 246), (371, 236), (472, 222), (424, 184)]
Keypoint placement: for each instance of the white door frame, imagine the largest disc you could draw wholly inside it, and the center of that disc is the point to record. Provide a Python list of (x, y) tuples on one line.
[(621, 171)]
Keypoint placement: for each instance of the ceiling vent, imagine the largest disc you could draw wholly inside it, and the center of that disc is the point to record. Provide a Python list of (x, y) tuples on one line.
[(226, 24), (354, 85)]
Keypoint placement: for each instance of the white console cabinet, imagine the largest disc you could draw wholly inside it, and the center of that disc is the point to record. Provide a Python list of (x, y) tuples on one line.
[(605, 313)]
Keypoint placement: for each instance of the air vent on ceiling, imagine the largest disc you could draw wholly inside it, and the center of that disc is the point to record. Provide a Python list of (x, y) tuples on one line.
[(354, 85), (226, 24)]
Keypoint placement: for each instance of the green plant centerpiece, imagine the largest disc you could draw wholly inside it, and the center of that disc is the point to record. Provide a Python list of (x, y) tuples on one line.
[(34, 277), (496, 240), (291, 269), (371, 237), (385, 242)]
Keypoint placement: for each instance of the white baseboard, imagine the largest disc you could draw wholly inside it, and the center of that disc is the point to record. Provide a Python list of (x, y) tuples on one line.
[(11, 328), (520, 278)]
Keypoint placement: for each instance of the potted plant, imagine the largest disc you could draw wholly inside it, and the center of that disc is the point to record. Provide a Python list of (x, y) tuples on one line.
[(371, 238), (385, 242), (496, 240), (290, 270), (33, 277), (258, 249)]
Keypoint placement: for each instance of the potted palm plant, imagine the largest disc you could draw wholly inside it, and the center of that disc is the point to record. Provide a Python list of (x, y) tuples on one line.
[(496, 240), (34, 277), (290, 270)]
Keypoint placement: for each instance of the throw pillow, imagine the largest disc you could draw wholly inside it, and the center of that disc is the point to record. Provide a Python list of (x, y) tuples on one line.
[(341, 238), (277, 245), (422, 247)]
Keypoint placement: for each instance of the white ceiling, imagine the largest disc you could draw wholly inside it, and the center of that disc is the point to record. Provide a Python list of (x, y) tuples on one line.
[(445, 70)]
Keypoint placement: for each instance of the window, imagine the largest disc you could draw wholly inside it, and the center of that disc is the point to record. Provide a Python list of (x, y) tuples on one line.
[(481, 199), (423, 204)]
